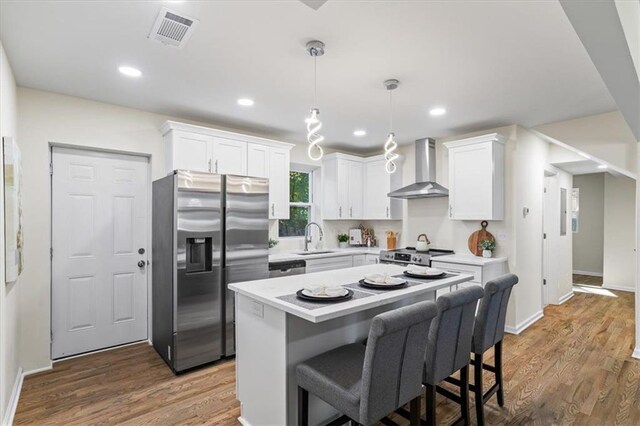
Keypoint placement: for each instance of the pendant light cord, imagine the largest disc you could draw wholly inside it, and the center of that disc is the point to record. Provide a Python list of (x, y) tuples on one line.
[(315, 80), (390, 110)]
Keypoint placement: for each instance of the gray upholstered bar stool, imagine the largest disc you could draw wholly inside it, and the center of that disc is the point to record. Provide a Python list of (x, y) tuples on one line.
[(488, 332), (366, 383), (449, 349)]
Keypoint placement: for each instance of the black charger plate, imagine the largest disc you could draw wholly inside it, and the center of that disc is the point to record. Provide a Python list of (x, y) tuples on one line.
[(363, 283), (424, 277), (303, 296)]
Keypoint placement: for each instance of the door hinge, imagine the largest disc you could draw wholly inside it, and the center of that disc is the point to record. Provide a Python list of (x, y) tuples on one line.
[(544, 282), (51, 169), (51, 253), (544, 236)]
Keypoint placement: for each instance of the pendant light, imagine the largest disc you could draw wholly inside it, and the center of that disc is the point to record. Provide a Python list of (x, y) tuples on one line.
[(390, 145), (314, 48)]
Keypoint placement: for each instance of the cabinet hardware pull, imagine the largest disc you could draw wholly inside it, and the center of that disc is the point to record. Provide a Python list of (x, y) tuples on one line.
[(340, 211), (387, 211), (350, 211), (216, 166), (273, 209), (209, 165), (450, 210)]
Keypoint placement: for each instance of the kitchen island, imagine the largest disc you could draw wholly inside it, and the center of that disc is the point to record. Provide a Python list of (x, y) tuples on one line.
[(275, 332)]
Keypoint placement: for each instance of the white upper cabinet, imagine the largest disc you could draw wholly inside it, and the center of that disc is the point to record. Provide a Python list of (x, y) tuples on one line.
[(278, 183), (476, 178), (342, 187), (258, 160), (203, 149), (356, 188), (189, 151), (377, 184), (229, 157)]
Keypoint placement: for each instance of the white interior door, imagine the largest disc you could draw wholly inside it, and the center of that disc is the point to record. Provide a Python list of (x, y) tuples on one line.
[(551, 231), (99, 229)]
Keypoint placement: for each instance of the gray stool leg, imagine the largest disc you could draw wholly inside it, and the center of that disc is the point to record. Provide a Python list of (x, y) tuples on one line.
[(430, 404), (464, 394), (477, 383), (498, 357), (303, 407)]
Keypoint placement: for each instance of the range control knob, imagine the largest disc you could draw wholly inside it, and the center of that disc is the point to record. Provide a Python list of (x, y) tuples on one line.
[(415, 259)]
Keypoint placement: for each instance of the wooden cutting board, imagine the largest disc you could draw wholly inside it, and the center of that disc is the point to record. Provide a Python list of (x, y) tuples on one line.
[(476, 237)]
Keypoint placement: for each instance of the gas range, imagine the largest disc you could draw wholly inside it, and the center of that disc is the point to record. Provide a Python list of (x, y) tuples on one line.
[(410, 255)]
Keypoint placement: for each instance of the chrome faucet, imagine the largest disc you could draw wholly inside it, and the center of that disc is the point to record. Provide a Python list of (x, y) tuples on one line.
[(307, 236)]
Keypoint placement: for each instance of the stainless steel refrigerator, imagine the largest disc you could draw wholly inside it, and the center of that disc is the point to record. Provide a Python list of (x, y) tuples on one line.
[(209, 230)]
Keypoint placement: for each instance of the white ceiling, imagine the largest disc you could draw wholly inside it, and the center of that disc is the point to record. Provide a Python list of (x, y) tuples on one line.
[(488, 63), (582, 167)]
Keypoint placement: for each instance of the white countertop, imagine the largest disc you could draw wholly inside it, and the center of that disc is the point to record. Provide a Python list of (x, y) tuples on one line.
[(468, 259), (335, 252), (267, 291)]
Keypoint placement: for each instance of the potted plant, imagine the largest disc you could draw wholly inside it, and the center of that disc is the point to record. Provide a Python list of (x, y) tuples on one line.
[(342, 240), (272, 243), (487, 247)]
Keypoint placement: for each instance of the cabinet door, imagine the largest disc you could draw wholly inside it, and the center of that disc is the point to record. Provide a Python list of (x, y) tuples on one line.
[(342, 190), (377, 184), (278, 183), (471, 182), (229, 157), (359, 259), (371, 259), (191, 151), (356, 189), (257, 160)]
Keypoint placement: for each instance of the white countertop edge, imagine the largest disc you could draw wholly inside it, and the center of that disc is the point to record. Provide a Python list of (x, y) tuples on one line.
[(335, 252), (345, 308), (468, 259)]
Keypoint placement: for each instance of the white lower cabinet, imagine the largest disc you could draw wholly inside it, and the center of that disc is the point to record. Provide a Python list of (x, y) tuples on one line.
[(359, 259), (371, 259), (483, 270), (329, 263)]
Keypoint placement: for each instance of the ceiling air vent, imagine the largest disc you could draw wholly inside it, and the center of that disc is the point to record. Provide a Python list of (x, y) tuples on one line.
[(172, 28)]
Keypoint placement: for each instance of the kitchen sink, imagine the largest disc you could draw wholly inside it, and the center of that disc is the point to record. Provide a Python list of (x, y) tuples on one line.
[(308, 253)]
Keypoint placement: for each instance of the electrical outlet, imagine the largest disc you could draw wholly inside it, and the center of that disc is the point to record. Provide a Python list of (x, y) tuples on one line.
[(502, 236), (258, 309)]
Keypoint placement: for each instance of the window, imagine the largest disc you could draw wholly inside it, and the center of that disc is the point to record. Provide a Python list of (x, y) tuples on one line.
[(575, 209), (299, 205)]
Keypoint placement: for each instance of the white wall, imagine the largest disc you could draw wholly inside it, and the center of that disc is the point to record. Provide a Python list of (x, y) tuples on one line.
[(606, 136), (588, 242), (619, 230), (9, 294)]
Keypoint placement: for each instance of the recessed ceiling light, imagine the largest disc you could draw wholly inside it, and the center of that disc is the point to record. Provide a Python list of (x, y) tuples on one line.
[(130, 71), (602, 166), (437, 111), (245, 102), (359, 133)]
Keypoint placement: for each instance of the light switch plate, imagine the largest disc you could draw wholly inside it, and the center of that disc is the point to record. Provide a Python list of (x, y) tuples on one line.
[(258, 309)]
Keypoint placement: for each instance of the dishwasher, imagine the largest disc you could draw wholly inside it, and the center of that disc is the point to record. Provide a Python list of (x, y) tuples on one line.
[(286, 268)]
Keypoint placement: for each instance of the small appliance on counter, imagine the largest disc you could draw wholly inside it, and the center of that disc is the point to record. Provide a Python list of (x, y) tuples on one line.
[(355, 237)]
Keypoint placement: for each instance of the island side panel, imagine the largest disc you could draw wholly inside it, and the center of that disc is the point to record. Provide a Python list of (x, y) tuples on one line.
[(260, 362), (306, 339)]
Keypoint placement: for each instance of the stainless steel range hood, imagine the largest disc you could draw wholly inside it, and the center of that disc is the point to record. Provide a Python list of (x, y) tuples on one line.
[(425, 186)]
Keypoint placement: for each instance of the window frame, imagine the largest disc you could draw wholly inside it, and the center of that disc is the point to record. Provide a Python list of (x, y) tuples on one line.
[(308, 205)]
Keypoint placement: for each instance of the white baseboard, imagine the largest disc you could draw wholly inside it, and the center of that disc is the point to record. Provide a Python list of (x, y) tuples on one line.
[(636, 352), (13, 400), (38, 370), (565, 298), (591, 274), (524, 324), (619, 288)]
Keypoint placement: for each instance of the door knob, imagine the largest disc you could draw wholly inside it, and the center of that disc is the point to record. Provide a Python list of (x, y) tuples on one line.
[(141, 264)]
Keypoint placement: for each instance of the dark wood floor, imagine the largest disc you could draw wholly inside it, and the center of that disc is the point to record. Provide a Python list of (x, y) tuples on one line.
[(587, 279), (571, 367)]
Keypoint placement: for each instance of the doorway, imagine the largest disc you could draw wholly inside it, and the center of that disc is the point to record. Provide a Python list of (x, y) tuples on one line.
[(100, 222)]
